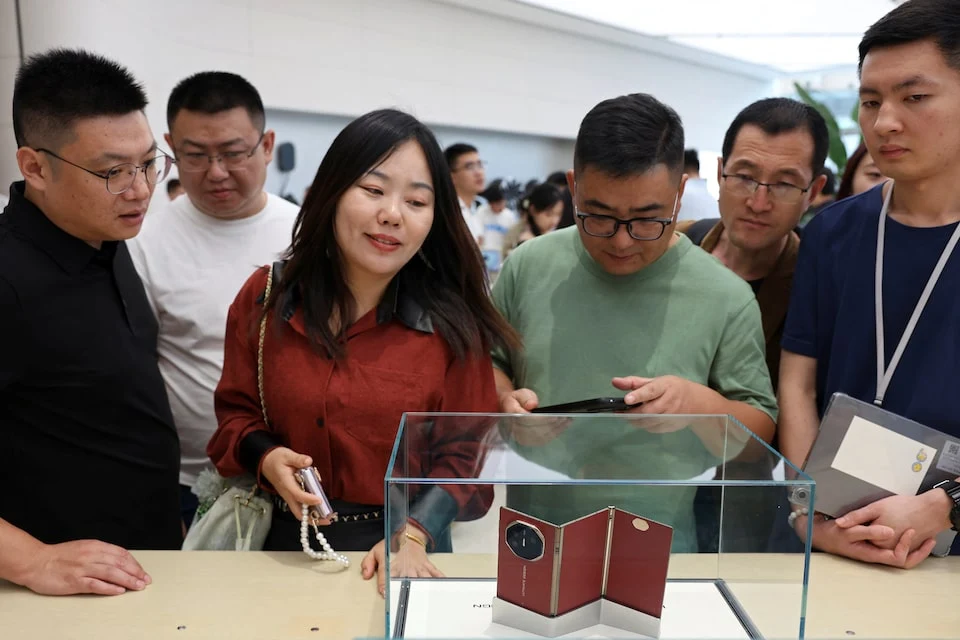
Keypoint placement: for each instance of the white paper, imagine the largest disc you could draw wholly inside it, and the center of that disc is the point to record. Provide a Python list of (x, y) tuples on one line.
[(462, 609), (883, 457)]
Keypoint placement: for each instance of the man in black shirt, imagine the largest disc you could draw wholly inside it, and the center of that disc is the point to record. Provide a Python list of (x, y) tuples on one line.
[(89, 457)]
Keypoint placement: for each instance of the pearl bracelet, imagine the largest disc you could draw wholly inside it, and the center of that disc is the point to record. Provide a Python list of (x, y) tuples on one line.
[(792, 518), (328, 553)]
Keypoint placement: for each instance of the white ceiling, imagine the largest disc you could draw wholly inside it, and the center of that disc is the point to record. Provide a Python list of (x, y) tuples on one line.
[(788, 35)]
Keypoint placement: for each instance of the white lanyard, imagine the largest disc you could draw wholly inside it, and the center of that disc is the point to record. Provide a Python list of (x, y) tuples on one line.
[(884, 376)]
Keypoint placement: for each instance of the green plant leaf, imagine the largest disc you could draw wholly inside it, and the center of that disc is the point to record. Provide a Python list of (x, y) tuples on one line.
[(837, 152), (855, 116)]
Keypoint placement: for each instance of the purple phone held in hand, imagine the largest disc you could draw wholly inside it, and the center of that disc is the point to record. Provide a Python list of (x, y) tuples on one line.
[(309, 479)]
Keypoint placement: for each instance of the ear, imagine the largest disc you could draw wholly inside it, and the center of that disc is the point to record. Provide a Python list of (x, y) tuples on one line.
[(269, 140), (35, 169), (683, 185), (571, 182), (815, 188), (169, 140), (719, 170)]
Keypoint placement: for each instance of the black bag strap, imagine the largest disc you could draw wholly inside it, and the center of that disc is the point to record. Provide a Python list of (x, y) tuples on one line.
[(699, 230)]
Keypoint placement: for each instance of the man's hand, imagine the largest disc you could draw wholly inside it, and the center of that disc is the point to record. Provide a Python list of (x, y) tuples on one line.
[(84, 566), (664, 395), (866, 543), (518, 401), (927, 514)]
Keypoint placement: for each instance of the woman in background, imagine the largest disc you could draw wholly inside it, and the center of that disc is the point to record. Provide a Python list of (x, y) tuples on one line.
[(380, 308), (540, 212), (861, 174)]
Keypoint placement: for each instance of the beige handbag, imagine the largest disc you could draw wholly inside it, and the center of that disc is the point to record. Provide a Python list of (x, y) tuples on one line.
[(234, 513)]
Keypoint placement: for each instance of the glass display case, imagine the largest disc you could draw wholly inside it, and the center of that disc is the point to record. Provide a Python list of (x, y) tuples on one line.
[(519, 496)]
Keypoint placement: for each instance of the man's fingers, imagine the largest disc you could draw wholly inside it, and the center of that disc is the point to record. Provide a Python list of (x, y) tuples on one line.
[(920, 554), (113, 575), (871, 533), (863, 515), (526, 399), (629, 383), (645, 394), (99, 587)]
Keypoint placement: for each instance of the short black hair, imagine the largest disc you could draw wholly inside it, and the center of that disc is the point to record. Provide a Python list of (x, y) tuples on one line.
[(172, 184), (782, 115), (558, 178), (494, 191), (691, 160), (212, 92), (454, 151), (629, 135), (914, 21), (56, 88)]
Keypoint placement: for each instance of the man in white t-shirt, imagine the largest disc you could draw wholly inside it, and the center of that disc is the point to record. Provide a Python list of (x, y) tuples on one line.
[(195, 256), (697, 202), (496, 219), (466, 169)]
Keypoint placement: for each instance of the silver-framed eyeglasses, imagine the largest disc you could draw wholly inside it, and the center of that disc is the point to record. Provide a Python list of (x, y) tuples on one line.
[(746, 186), (120, 178), (195, 162)]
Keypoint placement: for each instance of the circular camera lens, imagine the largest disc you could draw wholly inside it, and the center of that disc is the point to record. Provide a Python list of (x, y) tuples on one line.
[(524, 541)]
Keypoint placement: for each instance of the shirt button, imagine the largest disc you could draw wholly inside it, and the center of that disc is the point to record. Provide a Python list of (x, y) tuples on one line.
[(319, 422)]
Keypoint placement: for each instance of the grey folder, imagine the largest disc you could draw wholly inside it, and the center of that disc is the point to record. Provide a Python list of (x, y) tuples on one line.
[(837, 492)]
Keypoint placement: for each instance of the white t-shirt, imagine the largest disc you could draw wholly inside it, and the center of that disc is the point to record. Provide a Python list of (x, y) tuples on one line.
[(192, 266), (495, 227), (697, 203), (473, 222)]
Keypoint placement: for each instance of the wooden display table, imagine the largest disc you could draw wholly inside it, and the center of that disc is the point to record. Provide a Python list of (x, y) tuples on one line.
[(207, 595)]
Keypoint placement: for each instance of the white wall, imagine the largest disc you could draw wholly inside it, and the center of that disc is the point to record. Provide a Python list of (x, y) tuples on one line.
[(505, 154), (496, 66)]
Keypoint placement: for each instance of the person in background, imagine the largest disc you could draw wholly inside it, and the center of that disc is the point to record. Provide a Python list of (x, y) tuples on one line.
[(174, 189), (886, 258), (540, 211), (497, 220), (559, 180), (88, 449), (861, 174), (380, 307), (195, 257), (697, 202), (469, 176), (826, 197)]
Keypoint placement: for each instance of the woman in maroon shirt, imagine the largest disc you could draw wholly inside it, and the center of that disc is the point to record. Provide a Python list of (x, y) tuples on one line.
[(380, 308)]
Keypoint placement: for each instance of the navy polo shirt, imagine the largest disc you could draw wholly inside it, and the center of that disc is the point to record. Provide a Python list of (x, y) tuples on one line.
[(831, 315)]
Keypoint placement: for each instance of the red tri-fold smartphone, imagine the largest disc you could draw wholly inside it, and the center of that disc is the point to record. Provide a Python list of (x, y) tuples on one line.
[(554, 569)]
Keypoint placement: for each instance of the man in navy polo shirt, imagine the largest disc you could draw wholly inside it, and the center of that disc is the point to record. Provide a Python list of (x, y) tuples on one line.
[(909, 110)]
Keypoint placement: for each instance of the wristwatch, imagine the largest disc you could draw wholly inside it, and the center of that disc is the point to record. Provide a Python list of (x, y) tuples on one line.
[(952, 488)]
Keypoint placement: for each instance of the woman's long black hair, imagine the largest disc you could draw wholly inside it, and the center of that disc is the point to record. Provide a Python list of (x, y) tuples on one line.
[(447, 278)]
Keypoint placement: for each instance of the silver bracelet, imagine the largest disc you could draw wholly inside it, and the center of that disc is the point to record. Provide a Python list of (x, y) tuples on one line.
[(792, 518)]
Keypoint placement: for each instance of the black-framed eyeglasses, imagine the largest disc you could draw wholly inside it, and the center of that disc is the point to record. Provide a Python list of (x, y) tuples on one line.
[(746, 186), (195, 162), (601, 226), (120, 178)]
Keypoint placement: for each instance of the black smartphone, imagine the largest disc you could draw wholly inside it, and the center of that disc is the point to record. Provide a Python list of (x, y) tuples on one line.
[(594, 405)]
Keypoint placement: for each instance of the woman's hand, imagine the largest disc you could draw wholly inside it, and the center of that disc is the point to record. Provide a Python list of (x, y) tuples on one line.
[(409, 562), (280, 467)]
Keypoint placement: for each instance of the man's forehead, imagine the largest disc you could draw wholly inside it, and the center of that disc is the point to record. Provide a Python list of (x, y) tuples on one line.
[(219, 126), (785, 151)]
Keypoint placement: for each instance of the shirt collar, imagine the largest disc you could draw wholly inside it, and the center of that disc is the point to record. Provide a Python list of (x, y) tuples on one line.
[(71, 253), (396, 303)]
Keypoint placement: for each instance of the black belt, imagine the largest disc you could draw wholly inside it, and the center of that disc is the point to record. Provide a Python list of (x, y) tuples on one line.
[(360, 516)]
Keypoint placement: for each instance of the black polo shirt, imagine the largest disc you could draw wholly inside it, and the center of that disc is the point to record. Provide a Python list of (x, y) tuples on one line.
[(87, 443)]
